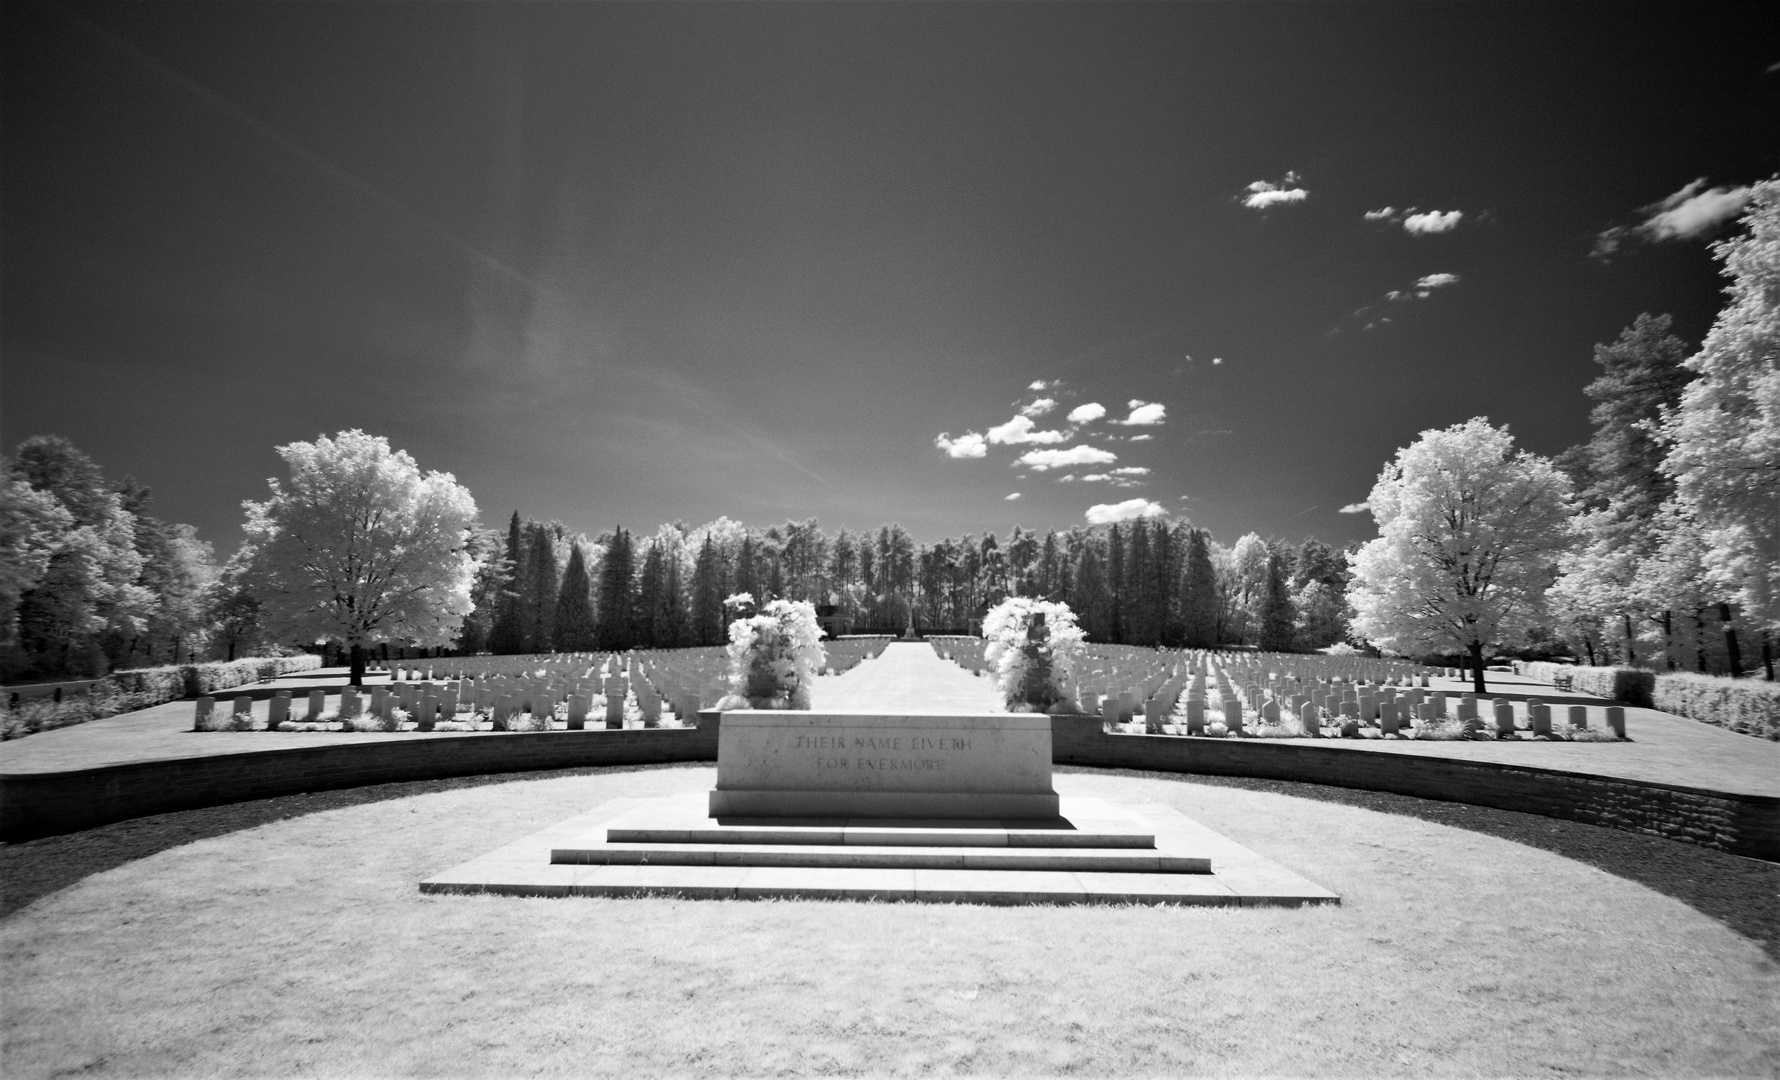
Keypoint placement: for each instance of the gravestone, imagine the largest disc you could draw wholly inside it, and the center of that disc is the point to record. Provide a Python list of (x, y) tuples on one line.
[(1579, 716), (1504, 717), (1616, 720), (1540, 716), (278, 710), (318, 702), (204, 716)]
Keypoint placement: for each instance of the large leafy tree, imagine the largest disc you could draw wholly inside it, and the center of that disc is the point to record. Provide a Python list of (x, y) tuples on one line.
[(359, 545), (31, 525), (1469, 535), (1724, 436), (89, 588)]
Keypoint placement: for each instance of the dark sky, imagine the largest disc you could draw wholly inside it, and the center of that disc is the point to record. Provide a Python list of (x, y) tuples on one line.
[(642, 262)]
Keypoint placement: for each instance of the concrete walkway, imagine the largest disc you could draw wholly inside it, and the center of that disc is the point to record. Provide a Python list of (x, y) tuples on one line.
[(907, 677)]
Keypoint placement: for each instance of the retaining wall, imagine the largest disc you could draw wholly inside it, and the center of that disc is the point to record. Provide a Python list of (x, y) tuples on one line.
[(41, 804), (1741, 824)]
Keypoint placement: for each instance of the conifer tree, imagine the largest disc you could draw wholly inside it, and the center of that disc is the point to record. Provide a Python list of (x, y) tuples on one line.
[(706, 616), (1142, 619), (616, 591), (747, 569), (576, 630), (508, 635), (540, 589), (1093, 601), (1199, 594), (1278, 619), (650, 584), (1115, 584)]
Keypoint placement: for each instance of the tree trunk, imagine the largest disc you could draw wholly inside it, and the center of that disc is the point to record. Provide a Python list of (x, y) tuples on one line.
[(1699, 640), (231, 648), (1631, 654), (1588, 645), (358, 665), (1477, 668), (1767, 654), (1730, 641), (1669, 638)]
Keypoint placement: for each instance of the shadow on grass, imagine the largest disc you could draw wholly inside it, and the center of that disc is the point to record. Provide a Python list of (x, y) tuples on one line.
[(1744, 894)]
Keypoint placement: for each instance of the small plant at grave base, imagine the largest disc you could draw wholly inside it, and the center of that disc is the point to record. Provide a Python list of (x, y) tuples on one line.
[(1445, 729), (1583, 734), (363, 721), (774, 655), (398, 716), (454, 725), (238, 722), (1033, 646)]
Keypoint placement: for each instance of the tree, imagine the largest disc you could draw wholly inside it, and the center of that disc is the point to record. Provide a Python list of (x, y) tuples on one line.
[(88, 589), (1199, 594), (575, 628), (1091, 598), (1278, 628), (508, 633), (360, 545), (1724, 437), (540, 589), (1643, 376), (616, 594), (707, 595), (1469, 535), (31, 526)]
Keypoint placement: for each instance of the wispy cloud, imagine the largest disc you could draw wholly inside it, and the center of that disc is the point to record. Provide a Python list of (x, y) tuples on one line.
[(1132, 470), (1040, 407), (1012, 497), (1264, 194), (1356, 508), (968, 445), (1087, 414), (1144, 413), (1021, 430), (1042, 460), (1145, 437), (1694, 211), (1040, 386), (1107, 513), (1385, 214), (1433, 221), (1436, 281)]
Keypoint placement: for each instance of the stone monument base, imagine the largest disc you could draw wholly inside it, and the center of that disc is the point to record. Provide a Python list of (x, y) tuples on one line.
[(808, 764)]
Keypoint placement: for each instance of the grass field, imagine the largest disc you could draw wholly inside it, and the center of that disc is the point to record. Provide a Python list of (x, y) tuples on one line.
[(304, 947)]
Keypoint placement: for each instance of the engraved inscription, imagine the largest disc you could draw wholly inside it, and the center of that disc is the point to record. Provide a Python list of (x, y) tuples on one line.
[(882, 753)]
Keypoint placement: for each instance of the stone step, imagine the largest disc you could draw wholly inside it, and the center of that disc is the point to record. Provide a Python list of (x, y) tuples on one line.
[(899, 834), (858, 883), (1126, 860)]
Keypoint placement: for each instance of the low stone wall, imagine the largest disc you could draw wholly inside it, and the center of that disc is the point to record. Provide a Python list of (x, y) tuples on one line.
[(43, 804), (1741, 824)]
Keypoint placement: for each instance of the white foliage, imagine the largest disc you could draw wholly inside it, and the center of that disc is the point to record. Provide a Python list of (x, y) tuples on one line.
[(774, 656), (1469, 537), (1010, 648), (360, 545)]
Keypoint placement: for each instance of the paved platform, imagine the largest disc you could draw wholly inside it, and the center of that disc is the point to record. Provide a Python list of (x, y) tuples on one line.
[(1096, 852), (907, 677)]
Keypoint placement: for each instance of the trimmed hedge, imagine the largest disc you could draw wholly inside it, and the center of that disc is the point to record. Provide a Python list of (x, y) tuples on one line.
[(1743, 705), (1634, 686), (140, 688)]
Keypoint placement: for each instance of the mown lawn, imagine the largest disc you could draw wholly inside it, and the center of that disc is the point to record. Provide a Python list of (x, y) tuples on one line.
[(303, 946)]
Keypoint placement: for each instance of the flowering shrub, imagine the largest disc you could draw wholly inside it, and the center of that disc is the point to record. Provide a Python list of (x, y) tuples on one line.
[(1033, 646), (774, 656)]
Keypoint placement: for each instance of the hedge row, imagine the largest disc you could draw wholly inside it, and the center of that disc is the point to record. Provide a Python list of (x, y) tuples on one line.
[(1634, 686), (139, 688), (1744, 705)]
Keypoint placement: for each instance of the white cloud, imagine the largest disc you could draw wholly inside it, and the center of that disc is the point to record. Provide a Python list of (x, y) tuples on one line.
[(1040, 407), (967, 445), (1095, 478), (1042, 460), (1356, 508), (1144, 414), (1146, 437), (1039, 386), (1263, 194), (1381, 215), (1066, 478), (1690, 211), (1132, 470), (1087, 414), (1431, 222), (1693, 211), (1436, 281), (1106, 513), (1012, 497), (1022, 430), (1217, 359)]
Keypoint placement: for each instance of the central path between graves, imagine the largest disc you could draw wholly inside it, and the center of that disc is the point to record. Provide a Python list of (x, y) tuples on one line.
[(907, 677)]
